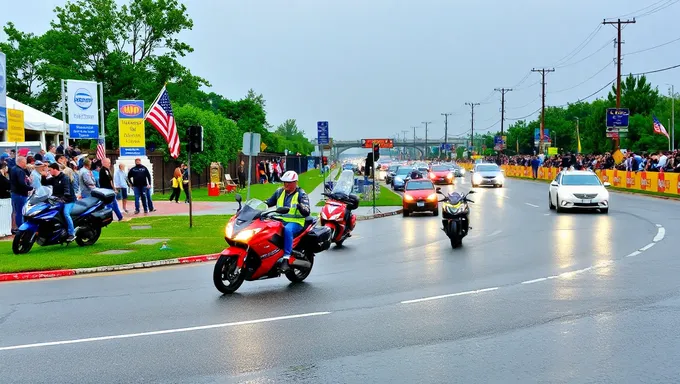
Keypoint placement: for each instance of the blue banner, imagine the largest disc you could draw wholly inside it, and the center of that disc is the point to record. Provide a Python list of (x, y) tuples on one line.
[(617, 117), (546, 135), (3, 92)]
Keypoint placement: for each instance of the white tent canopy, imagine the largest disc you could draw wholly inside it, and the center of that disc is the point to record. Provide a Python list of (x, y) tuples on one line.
[(36, 120)]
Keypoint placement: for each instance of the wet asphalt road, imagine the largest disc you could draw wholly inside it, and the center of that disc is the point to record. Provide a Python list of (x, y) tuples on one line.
[(614, 320)]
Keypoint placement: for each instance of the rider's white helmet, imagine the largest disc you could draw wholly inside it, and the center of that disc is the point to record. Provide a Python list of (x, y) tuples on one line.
[(289, 177)]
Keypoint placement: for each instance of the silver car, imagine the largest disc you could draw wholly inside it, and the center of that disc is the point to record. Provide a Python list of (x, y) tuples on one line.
[(487, 174)]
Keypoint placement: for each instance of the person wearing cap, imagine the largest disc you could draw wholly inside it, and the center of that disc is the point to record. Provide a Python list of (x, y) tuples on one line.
[(295, 198), (20, 186), (63, 188), (38, 167)]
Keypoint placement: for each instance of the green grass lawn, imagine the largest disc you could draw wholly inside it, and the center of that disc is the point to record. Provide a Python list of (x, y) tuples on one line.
[(386, 198), (206, 237), (308, 181)]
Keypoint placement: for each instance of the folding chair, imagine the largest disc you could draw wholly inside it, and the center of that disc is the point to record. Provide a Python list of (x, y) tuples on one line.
[(229, 185)]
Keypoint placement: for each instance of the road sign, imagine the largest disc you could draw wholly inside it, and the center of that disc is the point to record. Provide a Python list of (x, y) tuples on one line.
[(251, 144), (322, 133), (617, 117), (613, 134), (383, 143), (446, 147)]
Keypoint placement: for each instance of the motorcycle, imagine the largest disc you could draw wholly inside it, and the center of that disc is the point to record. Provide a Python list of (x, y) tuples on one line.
[(456, 216), (44, 221), (337, 213), (255, 238)]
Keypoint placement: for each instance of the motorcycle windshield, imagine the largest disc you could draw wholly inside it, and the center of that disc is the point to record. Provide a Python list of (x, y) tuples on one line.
[(40, 195), (455, 197), (345, 183), (251, 210)]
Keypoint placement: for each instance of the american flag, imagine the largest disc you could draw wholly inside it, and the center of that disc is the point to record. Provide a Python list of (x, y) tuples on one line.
[(659, 128), (101, 149), (161, 117)]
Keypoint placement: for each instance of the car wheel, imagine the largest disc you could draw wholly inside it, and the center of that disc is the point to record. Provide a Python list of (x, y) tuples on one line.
[(604, 210), (550, 204), (405, 213), (435, 212), (558, 208)]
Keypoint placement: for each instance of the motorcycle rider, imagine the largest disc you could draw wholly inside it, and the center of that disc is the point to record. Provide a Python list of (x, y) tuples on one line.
[(295, 198), (62, 187), (415, 174)]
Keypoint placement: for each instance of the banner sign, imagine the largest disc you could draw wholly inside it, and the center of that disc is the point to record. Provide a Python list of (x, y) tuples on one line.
[(131, 135), (383, 143), (83, 109), (15, 126), (546, 135), (3, 91), (617, 117)]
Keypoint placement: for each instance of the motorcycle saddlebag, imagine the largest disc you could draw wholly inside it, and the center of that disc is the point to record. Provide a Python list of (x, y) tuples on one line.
[(319, 239), (105, 195), (102, 218), (353, 202)]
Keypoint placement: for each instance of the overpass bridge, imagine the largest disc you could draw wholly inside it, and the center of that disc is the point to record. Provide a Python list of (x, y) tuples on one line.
[(340, 146)]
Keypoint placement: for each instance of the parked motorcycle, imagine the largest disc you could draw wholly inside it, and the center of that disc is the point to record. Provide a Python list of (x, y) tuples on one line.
[(44, 221), (255, 238), (456, 216), (337, 213)]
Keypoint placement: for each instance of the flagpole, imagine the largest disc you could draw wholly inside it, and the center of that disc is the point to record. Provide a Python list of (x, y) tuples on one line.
[(578, 138), (669, 136), (155, 100)]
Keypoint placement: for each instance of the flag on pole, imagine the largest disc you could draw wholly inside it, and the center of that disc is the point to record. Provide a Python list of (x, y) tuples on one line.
[(659, 128), (517, 144), (101, 149), (161, 117), (578, 140)]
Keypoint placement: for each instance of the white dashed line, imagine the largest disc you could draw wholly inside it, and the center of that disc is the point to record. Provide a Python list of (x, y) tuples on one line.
[(546, 214), (646, 247), (163, 332), (633, 254), (494, 233), (449, 295), (535, 280), (531, 205), (660, 234)]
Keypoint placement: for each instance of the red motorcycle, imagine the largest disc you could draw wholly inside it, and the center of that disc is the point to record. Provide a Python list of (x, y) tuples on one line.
[(255, 238), (337, 213)]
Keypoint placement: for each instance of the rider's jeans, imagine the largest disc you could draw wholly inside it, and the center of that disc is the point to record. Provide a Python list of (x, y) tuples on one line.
[(290, 230), (68, 207)]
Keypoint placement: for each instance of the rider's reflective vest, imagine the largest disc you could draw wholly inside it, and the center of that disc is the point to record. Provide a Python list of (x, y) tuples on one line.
[(292, 216)]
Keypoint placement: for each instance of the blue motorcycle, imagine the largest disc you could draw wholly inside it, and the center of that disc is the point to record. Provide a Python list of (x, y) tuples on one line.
[(44, 220)]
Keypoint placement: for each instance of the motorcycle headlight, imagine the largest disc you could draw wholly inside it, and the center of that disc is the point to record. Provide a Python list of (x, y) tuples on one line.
[(246, 235), (229, 230)]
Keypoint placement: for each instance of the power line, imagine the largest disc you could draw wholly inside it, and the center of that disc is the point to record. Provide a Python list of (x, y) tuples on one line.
[(524, 117), (527, 104), (528, 86), (589, 56), (654, 47), (656, 70), (584, 81), (580, 47), (643, 9), (659, 8)]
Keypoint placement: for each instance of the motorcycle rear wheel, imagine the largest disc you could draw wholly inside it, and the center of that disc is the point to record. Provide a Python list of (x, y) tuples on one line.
[(224, 271), (88, 236), (22, 243), (296, 275)]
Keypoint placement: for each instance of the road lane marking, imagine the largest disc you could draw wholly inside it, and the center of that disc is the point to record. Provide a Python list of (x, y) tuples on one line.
[(535, 280), (546, 214), (633, 254), (660, 234), (531, 205), (497, 232), (449, 295), (646, 247), (163, 332)]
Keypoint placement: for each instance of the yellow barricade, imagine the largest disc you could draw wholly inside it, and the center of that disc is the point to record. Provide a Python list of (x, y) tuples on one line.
[(666, 183)]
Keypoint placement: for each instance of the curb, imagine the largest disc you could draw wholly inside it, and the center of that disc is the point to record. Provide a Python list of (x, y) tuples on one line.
[(36, 275), (379, 215)]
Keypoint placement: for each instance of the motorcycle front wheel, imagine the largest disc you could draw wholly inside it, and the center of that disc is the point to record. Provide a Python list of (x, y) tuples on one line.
[(22, 242), (225, 278), (456, 239)]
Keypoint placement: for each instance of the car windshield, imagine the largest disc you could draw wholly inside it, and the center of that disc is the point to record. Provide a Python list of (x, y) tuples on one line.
[(419, 185), (580, 180), (404, 171), (488, 168), (440, 168)]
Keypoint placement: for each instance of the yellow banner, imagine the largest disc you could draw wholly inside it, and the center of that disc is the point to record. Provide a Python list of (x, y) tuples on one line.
[(552, 151), (131, 133), (15, 126)]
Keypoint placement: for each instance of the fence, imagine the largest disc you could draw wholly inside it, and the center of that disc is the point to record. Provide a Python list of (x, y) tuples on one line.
[(163, 170), (659, 182)]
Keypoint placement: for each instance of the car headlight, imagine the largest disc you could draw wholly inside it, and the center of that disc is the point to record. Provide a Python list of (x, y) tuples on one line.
[(432, 197), (432, 175), (477, 177), (408, 197), (449, 176), (247, 234), (500, 178)]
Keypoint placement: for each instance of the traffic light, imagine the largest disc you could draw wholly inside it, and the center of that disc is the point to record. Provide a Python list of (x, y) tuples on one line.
[(195, 139), (376, 152), (324, 160)]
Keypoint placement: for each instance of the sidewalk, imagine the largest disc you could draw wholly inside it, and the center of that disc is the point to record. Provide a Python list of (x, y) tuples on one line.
[(316, 195)]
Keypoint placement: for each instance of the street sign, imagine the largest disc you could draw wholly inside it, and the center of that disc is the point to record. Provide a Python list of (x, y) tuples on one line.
[(617, 117), (383, 143), (322, 133), (446, 147), (251, 144), (613, 135)]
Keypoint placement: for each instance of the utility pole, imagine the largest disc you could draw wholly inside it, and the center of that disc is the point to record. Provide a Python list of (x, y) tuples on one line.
[(673, 117), (426, 148), (543, 72), (618, 24), (578, 137), (472, 125), (404, 147), (503, 91), (414, 142), (446, 131)]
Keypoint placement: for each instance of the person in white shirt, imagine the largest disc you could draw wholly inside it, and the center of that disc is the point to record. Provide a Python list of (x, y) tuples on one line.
[(120, 181)]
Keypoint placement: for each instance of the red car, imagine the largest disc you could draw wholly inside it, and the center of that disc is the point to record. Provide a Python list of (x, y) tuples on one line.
[(441, 174), (420, 196)]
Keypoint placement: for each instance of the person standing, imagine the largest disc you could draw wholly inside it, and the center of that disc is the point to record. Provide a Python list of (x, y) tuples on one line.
[(86, 179), (185, 183), (241, 173), (140, 179), (20, 186), (106, 182), (176, 185), (5, 202), (120, 181)]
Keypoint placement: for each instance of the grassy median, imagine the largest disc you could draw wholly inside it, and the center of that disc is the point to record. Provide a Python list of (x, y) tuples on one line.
[(386, 198), (307, 181), (206, 237)]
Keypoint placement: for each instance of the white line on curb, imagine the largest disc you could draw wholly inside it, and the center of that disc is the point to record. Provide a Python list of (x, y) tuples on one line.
[(167, 331), (531, 205), (633, 254), (449, 295), (646, 247), (660, 234)]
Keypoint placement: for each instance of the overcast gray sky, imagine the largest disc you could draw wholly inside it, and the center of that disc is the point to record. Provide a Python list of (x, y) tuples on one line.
[(373, 68)]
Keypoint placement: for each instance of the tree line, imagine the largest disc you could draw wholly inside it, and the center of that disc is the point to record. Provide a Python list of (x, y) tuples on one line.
[(133, 50)]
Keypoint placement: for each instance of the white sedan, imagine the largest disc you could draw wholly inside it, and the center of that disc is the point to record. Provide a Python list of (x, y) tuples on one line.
[(578, 189)]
